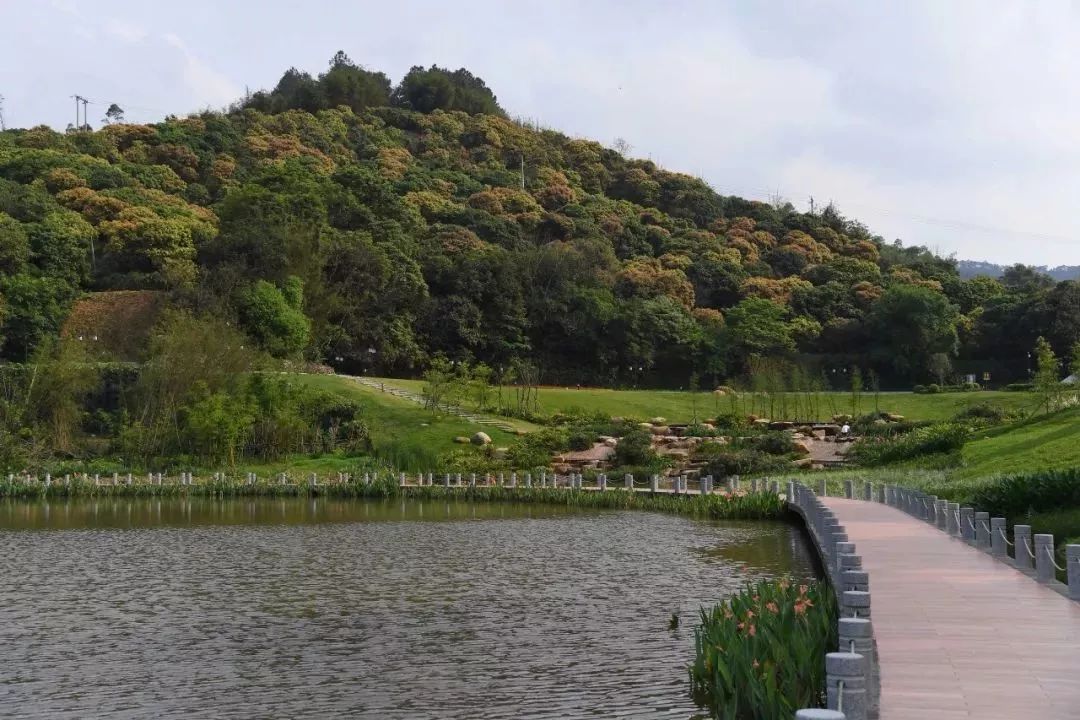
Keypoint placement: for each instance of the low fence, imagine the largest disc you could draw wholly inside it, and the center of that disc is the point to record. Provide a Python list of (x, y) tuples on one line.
[(1032, 555), (851, 672)]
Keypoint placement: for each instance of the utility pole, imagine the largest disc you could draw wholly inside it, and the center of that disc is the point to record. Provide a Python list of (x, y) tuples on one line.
[(811, 204), (85, 119), (84, 101)]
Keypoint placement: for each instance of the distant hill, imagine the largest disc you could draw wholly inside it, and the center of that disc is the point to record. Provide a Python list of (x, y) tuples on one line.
[(973, 268)]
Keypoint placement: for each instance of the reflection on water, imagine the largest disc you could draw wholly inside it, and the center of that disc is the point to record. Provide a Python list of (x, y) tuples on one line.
[(298, 608)]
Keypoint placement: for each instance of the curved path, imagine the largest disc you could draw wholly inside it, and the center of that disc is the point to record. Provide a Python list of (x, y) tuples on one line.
[(959, 633)]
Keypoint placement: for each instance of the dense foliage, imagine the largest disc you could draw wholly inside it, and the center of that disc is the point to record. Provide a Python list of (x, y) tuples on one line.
[(761, 654), (345, 219)]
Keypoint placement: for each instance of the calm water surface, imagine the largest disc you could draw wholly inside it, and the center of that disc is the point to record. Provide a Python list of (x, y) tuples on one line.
[(310, 609)]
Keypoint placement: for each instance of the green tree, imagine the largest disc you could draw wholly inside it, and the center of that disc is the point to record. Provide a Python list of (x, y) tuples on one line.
[(275, 317), (757, 327), (1047, 374), (908, 325)]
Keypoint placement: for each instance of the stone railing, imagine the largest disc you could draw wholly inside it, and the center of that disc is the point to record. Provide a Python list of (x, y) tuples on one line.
[(1034, 556), (851, 672)]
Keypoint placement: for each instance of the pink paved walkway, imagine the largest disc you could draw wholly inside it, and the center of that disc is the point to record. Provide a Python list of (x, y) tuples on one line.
[(959, 634)]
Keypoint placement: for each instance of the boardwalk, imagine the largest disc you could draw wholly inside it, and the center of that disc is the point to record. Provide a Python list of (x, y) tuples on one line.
[(960, 634)]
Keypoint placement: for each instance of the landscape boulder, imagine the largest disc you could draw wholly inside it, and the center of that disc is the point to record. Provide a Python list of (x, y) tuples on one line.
[(659, 429), (611, 442), (481, 438), (891, 417), (781, 425), (841, 418), (800, 448), (658, 421), (802, 462), (501, 453), (461, 440), (831, 430)]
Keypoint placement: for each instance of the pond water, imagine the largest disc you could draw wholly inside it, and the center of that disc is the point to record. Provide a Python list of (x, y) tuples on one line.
[(317, 608)]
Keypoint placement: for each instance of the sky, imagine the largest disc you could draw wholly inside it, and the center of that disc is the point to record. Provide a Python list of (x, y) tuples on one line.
[(954, 125)]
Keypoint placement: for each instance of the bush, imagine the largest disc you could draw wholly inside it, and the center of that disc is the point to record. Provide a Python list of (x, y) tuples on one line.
[(919, 390), (926, 440), (534, 450), (742, 461), (1017, 495), (983, 414), (580, 439), (775, 442), (635, 448), (933, 388), (761, 654), (1020, 387)]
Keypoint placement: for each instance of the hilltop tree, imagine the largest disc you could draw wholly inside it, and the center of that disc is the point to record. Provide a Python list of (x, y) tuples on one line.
[(113, 116)]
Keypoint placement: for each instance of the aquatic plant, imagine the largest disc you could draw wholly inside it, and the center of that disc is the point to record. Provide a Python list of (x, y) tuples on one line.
[(760, 655)]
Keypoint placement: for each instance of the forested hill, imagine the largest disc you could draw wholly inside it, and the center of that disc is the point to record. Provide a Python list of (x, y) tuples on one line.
[(344, 219), (974, 268)]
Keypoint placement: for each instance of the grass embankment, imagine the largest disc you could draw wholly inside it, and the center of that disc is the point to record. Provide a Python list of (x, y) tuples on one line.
[(678, 406), (404, 435)]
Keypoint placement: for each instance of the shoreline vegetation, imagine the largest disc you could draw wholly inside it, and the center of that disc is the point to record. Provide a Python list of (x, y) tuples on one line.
[(717, 506)]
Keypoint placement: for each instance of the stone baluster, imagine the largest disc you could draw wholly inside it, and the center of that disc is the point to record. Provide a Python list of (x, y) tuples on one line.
[(602, 479), (654, 483), (845, 679), (1044, 558), (856, 635), (854, 603), (967, 524), (952, 522), (982, 530), (528, 480), (849, 489), (628, 481), (998, 546), (1072, 569), (1023, 550), (868, 491)]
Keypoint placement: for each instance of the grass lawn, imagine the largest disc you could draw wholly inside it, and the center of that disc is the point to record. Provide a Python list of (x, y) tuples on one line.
[(677, 406), (1041, 443), (404, 434)]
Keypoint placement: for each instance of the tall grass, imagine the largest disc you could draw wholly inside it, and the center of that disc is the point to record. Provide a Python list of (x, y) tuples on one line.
[(761, 654)]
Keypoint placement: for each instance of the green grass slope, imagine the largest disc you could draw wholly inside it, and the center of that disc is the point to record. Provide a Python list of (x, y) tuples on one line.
[(1042, 443), (677, 406)]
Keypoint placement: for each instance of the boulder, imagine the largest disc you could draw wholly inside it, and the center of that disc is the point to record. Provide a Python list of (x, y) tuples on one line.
[(645, 426), (831, 430), (763, 422), (521, 433), (800, 448), (501, 453), (658, 421), (802, 462), (481, 438), (611, 442), (841, 418), (891, 417), (781, 425), (659, 429), (461, 440)]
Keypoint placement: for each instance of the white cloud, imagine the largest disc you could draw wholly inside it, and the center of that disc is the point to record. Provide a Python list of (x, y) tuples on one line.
[(126, 31), (207, 85)]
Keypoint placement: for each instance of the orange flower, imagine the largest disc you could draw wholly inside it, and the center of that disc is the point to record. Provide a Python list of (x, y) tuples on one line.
[(728, 614), (803, 589), (800, 608), (771, 607), (749, 614), (785, 584), (752, 631)]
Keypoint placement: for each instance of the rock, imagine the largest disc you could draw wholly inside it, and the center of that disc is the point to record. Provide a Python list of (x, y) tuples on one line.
[(781, 425), (894, 418), (801, 448), (762, 422), (521, 433), (677, 453), (879, 422), (461, 440), (841, 418), (708, 426), (659, 429), (611, 442), (645, 426), (802, 462), (481, 438), (501, 453), (658, 421), (831, 430)]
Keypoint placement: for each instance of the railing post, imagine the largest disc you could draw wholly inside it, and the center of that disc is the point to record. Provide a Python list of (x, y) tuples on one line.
[(1072, 569), (855, 603), (952, 519), (868, 491), (882, 492), (628, 481), (982, 530), (1022, 552), (856, 635), (932, 510), (819, 714), (1044, 558), (967, 524), (822, 488), (855, 580), (998, 546), (603, 482), (845, 675), (654, 483), (942, 513), (849, 489), (774, 487)]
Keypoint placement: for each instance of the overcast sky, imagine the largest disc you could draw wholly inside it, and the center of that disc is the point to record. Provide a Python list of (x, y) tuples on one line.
[(950, 124)]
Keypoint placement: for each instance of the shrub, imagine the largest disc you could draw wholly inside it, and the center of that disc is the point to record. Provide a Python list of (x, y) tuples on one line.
[(742, 461), (761, 654), (919, 389), (983, 414), (1020, 387), (933, 388), (579, 439), (926, 440), (775, 442), (534, 450), (1017, 495), (635, 448)]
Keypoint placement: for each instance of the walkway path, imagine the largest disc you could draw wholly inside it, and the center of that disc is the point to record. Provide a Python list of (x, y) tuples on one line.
[(960, 634)]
